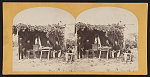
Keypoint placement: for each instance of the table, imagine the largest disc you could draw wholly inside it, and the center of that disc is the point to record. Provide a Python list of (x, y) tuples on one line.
[(106, 49)]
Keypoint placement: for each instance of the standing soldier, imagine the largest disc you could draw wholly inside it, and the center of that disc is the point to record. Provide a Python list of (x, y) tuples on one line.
[(28, 48), (87, 48), (21, 49), (79, 51)]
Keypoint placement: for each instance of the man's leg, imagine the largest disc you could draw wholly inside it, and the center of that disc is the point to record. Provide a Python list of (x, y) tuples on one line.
[(59, 53), (81, 53), (78, 54), (25, 53), (125, 57), (54, 54), (34, 54), (87, 53), (100, 54), (84, 54), (93, 53), (28, 54), (66, 55), (19, 53), (112, 53), (71, 57), (96, 54), (51, 54), (118, 54)]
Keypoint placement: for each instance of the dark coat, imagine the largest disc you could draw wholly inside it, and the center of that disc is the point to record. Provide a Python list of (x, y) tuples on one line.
[(107, 44), (28, 46), (87, 46), (116, 47), (56, 47), (48, 45)]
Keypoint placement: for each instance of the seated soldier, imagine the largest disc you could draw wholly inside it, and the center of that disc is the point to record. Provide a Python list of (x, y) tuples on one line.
[(79, 48), (116, 50), (107, 43), (49, 45), (57, 51), (87, 48)]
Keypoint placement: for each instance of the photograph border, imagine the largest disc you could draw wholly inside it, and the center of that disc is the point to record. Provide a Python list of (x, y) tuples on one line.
[(140, 12)]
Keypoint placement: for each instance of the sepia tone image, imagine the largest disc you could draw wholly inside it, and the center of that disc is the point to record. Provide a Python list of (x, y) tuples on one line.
[(101, 39)]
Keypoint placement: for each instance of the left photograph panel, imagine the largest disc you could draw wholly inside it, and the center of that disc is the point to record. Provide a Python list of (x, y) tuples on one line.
[(40, 34)]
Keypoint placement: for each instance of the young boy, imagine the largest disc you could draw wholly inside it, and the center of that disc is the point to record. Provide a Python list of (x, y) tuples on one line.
[(127, 54), (70, 53)]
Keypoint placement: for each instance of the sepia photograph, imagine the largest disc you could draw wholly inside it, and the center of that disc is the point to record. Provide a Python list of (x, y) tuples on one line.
[(50, 39)]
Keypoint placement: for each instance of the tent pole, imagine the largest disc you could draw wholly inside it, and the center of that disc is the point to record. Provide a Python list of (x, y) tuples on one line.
[(17, 37), (76, 45)]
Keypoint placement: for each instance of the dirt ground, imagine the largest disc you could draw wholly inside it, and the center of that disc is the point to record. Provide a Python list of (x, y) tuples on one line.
[(79, 65)]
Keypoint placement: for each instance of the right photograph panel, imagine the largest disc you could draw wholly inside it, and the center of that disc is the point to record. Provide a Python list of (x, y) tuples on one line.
[(107, 40)]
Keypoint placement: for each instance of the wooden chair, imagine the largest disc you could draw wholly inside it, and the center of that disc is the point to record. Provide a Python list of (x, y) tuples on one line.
[(106, 49), (45, 49)]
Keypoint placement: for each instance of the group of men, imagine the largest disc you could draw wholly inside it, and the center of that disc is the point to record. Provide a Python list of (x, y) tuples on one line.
[(85, 47), (25, 47)]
